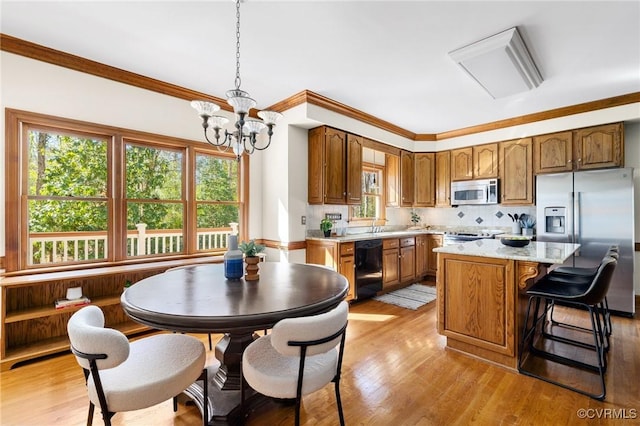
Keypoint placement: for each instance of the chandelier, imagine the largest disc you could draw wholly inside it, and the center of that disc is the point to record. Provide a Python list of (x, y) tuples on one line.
[(245, 136)]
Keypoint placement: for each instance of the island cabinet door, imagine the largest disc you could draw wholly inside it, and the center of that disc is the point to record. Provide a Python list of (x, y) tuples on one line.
[(478, 303)]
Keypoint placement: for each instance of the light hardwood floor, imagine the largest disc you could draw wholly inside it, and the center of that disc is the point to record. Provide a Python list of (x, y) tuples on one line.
[(396, 372)]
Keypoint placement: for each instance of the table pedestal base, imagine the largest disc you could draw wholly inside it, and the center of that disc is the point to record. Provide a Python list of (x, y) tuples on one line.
[(224, 406), (229, 350)]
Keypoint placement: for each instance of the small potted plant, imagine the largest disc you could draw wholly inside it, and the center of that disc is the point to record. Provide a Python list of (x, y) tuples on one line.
[(250, 250), (325, 226), (414, 218)]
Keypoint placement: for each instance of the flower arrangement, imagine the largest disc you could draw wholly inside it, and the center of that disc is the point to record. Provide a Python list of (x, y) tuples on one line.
[(250, 249)]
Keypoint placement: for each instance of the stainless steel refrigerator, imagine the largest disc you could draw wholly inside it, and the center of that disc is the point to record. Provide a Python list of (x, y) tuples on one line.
[(593, 209)]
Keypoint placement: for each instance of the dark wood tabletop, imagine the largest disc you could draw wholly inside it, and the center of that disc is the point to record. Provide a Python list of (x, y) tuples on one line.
[(200, 299)]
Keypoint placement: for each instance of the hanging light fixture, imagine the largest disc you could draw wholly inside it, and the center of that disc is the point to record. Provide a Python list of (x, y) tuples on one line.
[(245, 136)]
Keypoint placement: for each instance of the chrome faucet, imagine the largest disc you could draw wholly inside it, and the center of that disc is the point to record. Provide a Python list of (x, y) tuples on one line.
[(373, 226)]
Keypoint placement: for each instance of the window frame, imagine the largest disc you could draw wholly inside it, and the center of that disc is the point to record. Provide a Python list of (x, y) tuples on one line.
[(371, 167), (16, 178)]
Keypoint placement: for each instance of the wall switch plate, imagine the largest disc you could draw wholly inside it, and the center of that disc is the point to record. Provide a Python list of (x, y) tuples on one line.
[(303, 220)]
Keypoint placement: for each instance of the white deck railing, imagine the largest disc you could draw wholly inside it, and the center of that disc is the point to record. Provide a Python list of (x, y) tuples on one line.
[(61, 247)]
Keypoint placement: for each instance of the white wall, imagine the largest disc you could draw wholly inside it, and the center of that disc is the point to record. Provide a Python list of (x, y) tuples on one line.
[(47, 89)]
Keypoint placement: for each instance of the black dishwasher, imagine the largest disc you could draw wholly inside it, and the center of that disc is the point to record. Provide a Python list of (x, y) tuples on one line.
[(368, 268)]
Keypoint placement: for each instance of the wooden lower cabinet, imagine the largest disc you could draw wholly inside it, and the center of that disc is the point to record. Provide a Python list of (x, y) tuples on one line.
[(390, 262), (348, 267), (432, 241), (422, 257), (336, 255), (477, 306), (407, 259)]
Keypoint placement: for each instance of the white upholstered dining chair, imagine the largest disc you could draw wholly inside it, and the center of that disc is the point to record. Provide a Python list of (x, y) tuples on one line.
[(300, 356), (123, 376)]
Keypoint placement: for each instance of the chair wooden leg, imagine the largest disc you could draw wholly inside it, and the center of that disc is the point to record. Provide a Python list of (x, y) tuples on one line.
[(175, 404), (210, 344)]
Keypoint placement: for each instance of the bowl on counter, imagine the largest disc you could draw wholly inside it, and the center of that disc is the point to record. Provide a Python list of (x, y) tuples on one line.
[(515, 241)]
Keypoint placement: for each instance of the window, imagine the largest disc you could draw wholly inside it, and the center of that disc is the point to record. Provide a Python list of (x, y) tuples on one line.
[(81, 193), (373, 204), (66, 191)]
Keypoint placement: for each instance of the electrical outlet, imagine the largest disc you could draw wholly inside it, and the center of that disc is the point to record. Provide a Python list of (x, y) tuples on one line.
[(303, 220)]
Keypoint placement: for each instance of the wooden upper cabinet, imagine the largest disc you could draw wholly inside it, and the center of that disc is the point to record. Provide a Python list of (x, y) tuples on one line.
[(354, 169), (425, 174), (315, 189), (485, 161), (516, 172), (443, 179), (553, 153), (462, 164), (406, 179), (477, 162), (392, 166), (334, 167), (599, 147)]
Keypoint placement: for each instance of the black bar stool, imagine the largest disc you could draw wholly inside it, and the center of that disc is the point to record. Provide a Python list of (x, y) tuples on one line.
[(584, 296), (575, 275)]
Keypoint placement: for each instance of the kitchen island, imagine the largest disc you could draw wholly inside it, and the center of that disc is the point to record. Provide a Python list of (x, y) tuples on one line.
[(481, 294)]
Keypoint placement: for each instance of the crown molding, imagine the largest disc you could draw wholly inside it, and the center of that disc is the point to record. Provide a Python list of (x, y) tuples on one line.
[(77, 63), (56, 57), (544, 115)]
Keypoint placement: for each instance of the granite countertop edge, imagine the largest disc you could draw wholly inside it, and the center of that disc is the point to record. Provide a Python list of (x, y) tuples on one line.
[(541, 252), (377, 235)]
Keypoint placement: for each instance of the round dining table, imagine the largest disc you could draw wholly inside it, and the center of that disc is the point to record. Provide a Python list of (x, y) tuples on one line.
[(199, 299)]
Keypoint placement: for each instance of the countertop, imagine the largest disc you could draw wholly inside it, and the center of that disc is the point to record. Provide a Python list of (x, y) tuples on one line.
[(541, 252), (375, 235)]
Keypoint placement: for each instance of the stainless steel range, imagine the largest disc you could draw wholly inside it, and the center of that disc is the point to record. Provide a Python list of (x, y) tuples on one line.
[(451, 238)]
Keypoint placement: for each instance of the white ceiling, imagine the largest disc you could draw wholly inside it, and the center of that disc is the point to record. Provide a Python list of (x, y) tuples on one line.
[(386, 58)]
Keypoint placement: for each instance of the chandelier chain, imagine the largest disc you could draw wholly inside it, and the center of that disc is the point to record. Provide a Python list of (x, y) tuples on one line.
[(237, 81)]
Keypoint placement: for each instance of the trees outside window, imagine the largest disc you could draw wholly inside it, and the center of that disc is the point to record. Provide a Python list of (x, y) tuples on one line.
[(83, 193)]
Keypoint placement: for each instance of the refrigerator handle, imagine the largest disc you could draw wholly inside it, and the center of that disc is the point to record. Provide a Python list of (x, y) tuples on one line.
[(576, 220)]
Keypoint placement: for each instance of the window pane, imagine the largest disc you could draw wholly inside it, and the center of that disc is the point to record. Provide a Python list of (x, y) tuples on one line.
[(66, 231), (64, 165), (217, 215), (152, 173), (368, 209), (214, 225), (154, 228), (216, 178), (371, 180)]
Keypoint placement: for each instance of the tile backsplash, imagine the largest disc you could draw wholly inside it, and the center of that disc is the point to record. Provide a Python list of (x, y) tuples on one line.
[(485, 216)]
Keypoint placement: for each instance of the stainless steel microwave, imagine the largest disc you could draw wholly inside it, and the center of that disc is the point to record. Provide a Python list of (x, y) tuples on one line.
[(482, 191)]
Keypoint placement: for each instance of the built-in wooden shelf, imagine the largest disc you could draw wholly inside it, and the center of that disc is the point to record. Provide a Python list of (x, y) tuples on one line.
[(46, 311)]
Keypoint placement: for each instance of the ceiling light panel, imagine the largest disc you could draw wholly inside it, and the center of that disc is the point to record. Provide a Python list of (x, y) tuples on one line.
[(501, 64)]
